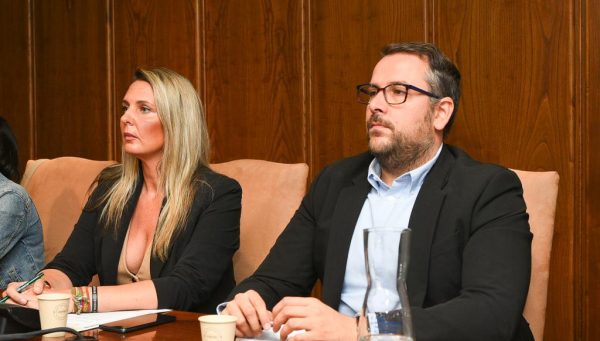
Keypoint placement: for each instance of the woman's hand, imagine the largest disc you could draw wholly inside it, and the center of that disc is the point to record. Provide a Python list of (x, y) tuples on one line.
[(27, 298), (53, 281)]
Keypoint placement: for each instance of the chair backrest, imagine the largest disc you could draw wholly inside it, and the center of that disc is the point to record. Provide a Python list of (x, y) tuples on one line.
[(540, 190), (271, 194), (59, 189)]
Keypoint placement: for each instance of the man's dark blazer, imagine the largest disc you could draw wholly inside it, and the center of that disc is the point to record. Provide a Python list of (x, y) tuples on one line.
[(470, 256), (198, 273)]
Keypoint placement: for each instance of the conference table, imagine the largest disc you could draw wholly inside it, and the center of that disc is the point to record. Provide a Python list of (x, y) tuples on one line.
[(186, 327)]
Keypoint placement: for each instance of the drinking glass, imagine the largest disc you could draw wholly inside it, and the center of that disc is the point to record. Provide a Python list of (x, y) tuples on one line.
[(385, 315)]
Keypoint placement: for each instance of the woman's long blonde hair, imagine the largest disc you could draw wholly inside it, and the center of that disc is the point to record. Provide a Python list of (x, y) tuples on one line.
[(186, 149)]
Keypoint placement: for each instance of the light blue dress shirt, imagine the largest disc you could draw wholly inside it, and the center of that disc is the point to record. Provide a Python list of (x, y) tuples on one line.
[(386, 206)]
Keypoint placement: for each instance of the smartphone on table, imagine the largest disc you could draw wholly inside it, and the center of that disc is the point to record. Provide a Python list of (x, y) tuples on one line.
[(137, 323)]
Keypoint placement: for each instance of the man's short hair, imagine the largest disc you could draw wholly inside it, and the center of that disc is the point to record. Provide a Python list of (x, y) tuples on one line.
[(443, 76)]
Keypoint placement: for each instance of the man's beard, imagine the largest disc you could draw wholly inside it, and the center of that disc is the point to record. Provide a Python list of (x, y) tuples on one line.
[(404, 150)]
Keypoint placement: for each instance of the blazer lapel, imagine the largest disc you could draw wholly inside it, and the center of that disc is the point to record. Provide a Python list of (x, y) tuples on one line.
[(156, 265), (350, 202), (111, 246), (423, 222)]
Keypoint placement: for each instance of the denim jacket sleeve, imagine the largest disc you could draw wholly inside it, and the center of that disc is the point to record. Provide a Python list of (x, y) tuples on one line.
[(13, 211), (21, 236)]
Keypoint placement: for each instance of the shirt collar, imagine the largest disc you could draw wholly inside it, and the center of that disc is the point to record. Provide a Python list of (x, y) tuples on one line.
[(415, 177)]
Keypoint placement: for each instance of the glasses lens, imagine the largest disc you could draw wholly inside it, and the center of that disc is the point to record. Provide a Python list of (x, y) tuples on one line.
[(395, 93), (365, 92)]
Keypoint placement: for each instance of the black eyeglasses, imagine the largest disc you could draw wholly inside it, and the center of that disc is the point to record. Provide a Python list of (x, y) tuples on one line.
[(394, 93)]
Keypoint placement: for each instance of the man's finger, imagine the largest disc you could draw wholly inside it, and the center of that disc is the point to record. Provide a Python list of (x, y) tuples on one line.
[(250, 315), (292, 325), (264, 316), (288, 301), (241, 326)]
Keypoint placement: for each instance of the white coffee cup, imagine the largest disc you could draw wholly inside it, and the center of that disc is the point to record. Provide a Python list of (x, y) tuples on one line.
[(54, 309), (217, 327)]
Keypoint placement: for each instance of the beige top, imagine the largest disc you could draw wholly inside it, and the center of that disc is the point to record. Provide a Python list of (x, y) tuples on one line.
[(125, 276)]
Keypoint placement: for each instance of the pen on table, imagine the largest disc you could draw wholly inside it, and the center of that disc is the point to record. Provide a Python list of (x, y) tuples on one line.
[(24, 286)]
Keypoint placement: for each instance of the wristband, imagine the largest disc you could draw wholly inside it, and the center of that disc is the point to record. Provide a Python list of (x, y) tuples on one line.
[(94, 299)]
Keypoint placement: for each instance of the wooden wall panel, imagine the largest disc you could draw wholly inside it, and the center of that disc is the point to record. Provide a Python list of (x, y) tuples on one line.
[(590, 255), (152, 34), (278, 78), (254, 94), (15, 84), (71, 78), (344, 40), (517, 108)]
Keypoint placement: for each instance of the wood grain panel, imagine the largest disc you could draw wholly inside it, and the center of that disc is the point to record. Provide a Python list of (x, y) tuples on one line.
[(152, 33), (15, 84), (590, 257), (71, 78), (345, 38), (254, 79), (517, 108), (278, 79)]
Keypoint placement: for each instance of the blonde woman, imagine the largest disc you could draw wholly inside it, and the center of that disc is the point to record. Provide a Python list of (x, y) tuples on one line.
[(161, 228)]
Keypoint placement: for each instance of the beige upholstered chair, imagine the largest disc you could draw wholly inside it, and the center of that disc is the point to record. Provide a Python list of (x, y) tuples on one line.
[(59, 190), (540, 190), (271, 194)]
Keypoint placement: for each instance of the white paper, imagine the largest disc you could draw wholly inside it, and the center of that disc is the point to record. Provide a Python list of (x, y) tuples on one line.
[(93, 320), (268, 335)]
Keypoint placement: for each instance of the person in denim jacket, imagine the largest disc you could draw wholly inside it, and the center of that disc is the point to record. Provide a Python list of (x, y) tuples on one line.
[(21, 240)]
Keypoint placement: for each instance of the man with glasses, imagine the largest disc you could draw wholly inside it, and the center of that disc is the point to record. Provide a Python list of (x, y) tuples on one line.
[(471, 245)]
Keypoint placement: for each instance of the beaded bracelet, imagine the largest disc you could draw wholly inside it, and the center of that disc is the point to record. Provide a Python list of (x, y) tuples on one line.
[(77, 298), (81, 299), (86, 306)]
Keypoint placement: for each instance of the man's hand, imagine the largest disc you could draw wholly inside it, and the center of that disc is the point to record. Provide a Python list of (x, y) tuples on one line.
[(320, 321), (251, 312)]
